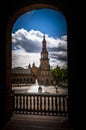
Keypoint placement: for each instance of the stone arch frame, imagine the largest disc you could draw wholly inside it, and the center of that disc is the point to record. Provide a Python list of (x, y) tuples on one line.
[(8, 36), (8, 44)]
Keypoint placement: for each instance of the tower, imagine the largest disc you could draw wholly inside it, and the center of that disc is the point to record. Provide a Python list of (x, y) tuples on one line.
[(44, 61), (44, 75)]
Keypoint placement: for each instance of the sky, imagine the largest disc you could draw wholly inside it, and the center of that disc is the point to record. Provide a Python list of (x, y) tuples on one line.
[(27, 36)]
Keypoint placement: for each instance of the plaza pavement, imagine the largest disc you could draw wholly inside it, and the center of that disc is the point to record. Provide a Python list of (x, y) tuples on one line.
[(48, 89), (37, 122)]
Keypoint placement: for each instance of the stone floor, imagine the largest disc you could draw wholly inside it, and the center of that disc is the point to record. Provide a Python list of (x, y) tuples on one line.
[(49, 89), (37, 122)]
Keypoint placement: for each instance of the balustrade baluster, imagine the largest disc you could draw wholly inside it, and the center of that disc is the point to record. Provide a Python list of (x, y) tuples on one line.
[(34, 103), (41, 104), (45, 105), (56, 104), (27, 103), (30, 104), (17, 103), (20, 103), (52, 104), (49, 104), (59, 105), (37, 104), (23, 104), (64, 105), (14, 103)]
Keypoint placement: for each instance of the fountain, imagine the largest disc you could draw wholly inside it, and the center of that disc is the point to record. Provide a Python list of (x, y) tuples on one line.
[(36, 88)]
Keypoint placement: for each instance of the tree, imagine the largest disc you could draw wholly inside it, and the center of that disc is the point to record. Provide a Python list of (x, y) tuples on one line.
[(59, 74)]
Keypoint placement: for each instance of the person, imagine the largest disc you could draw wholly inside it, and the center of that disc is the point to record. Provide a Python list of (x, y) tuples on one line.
[(40, 90)]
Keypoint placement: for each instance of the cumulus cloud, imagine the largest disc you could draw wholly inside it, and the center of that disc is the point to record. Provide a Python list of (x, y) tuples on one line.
[(27, 45), (20, 58), (30, 41)]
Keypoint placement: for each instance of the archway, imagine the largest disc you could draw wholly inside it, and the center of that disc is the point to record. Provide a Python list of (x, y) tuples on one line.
[(8, 45)]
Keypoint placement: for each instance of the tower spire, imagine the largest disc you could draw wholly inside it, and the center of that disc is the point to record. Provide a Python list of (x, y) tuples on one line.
[(44, 36), (44, 43)]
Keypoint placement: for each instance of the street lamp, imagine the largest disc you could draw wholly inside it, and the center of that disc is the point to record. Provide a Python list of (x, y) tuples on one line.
[(56, 87)]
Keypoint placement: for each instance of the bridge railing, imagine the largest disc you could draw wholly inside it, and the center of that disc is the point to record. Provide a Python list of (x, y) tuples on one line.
[(40, 103)]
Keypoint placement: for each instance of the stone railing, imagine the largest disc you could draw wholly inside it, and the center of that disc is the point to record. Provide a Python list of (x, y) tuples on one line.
[(45, 104)]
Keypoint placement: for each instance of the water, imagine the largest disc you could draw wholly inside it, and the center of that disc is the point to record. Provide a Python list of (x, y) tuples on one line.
[(35, 88), (32, 89)]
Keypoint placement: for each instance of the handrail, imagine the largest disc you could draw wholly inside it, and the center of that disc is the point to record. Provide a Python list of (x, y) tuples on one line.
[(41, 103)]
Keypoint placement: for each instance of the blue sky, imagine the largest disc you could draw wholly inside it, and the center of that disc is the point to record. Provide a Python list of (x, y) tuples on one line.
[(27, 36), (45, 20)]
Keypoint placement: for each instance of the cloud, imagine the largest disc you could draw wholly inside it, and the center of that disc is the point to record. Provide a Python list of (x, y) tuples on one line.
[(26, 42), (21, 58), (30, 41), (58, 58)]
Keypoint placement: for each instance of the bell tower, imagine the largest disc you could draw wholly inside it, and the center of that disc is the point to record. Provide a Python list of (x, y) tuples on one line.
[(44, 76), (44, 61)]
